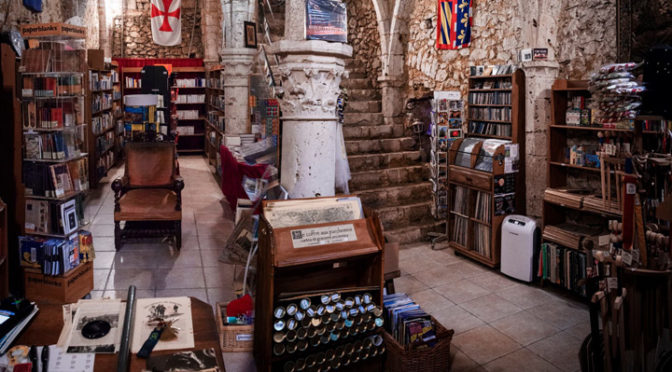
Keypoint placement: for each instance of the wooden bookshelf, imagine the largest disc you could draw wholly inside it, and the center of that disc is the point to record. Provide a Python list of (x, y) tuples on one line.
[(215, 125), (476, 205), (102, 119), (190, 82)]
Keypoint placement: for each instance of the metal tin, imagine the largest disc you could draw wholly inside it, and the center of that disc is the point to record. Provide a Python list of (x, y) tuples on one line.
[(289, 367), (315, 322), (339, 352), (331, 327), (301, 333), (377, 340), (349, 323), (349, 302), (325, 299), (312, 332), (320, 358), (300, 364), (335, 364), (366, 317), (314, 342), (320, 330), (278, 337), (358, 345), (359, 320), (346, 361), (335, 317), (326, 319), (310, 361), (340, 324), (381, 349), (291, 336), (304, 304), (278, 349), (370, 326), (367, 343), (340, 305), (330, 308), (291, 348), (279, 325), (345, 333), (344, 314), (292, 324), (320, 310), (302, 346), (354, 358), (279, 312), (334, 336), (379, 322), (349, 349), (369, 308), (374, 352), (300, 315), (292, 309), (324, 339), (311, 311), (335, 297), (361, 309), (353, 312), (358, 300), (305, 322), (377, 311), (330, 355), (367, 298), (364, 354)]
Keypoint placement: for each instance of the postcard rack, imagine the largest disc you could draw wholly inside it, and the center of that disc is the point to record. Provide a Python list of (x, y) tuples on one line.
[(480, 199), (289, 271)]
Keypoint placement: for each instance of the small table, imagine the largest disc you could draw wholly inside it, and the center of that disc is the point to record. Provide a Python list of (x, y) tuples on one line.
[(45, 328)]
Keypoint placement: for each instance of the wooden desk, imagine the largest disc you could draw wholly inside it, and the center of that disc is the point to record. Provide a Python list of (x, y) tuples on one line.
[(47, 325)]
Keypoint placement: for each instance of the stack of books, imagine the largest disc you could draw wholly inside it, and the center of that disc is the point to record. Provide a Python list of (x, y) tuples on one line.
[(14, 317)]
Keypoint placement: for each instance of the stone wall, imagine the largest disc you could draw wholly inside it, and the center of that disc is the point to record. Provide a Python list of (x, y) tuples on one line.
[(586, 37), (363, 37), (137, 34)]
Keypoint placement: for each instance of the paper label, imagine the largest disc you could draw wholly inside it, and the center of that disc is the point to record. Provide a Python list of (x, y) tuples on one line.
[(627, 258), (603, 240), (244, 337), (323, 235), (630, 188), (612, 283), (635, 255)]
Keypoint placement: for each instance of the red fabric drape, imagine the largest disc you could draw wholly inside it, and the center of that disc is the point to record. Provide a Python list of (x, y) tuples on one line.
[(232, 176)]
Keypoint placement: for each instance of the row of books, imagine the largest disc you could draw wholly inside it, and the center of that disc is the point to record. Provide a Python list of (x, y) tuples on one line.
[(483, 206), (216, 83), (190, 98), (100, 81), (490, 113), (101, 102), (116, 93), (114, 75), (52, 217), (188, 114), (106, 161), (41, 86), (493, 129), (565, 267), (504, 83), (52, 115), (55, 59), (104, 143), (141, 114), (217, 101), (131, 82), (55, 180), (460, 230), (51, 146), (407, 322), (54, 257), (491, 70), (101, 123), (217, 119), (190, 82), (494, 98)]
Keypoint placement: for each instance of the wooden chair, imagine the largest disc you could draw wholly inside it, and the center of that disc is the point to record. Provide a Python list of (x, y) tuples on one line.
[(148, 197)]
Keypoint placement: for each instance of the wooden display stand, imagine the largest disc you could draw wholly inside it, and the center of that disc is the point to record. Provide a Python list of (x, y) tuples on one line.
[(285, 273), (65, 289), (214, 132), (477, 181)]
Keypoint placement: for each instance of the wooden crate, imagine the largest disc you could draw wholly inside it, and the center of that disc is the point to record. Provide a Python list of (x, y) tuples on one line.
[(233, 338), (68, 288)]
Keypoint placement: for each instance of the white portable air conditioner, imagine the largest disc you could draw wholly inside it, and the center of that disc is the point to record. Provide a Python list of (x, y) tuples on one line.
[(519, 239)]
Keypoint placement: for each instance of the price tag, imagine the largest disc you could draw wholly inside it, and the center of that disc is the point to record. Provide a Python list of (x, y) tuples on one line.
[(627, 258), (612, 283)]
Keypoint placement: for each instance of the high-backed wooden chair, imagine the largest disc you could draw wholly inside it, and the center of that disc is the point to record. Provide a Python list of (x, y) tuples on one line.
[(148, 196)]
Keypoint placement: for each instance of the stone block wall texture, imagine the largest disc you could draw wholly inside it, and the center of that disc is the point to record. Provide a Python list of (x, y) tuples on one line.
[(137, 34), (364, 38)]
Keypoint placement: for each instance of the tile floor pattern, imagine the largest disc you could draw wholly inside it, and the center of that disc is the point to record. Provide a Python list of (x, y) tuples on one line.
[(500, 324)]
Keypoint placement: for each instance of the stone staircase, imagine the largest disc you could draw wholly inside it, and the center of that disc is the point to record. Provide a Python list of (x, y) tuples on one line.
[(387, 172)]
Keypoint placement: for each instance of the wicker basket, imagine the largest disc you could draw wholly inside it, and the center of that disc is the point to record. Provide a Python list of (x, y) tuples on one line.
[(233, 338), (411, 358)]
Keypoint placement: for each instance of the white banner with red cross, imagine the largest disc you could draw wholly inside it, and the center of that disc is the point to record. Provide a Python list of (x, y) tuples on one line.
[(166, 22)]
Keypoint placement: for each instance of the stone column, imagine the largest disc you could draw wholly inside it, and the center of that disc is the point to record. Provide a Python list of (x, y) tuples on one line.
[(539, 78), (238, 63), (311, 72)]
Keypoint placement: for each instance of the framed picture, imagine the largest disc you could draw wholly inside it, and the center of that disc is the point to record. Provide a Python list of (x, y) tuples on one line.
[(540, 54), (250, 35)]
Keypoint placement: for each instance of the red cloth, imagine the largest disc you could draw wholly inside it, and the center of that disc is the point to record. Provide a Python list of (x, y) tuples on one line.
[(142, 62), (232, 176)]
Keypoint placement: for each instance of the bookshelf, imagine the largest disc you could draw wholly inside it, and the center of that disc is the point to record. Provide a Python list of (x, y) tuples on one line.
[(103, 111), (480, 199), (190, 84), (496, 107), (215, 124), (53, 149), (117, 111), (4, 254)]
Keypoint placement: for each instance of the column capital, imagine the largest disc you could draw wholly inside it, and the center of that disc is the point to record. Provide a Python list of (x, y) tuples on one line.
[(533, 68), (238, 65)]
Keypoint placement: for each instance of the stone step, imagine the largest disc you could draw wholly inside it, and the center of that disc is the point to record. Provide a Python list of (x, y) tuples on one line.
[(367, 146), (363, 107), (415, 232), (367, 162), (398, 216), (363, 94), (357, 75), (395, 195), (356, 83), (371, 179), (352, 132), (363, 118)]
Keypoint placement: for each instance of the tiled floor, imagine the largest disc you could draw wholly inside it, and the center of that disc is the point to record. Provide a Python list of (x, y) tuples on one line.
[(500, 324)]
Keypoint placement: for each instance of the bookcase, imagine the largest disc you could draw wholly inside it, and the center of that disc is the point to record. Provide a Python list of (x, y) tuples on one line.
[(117, 111), (215, 124), (54, 143), (480, 196), (102, 111), (4, 253), (287, 275), (191, 109)]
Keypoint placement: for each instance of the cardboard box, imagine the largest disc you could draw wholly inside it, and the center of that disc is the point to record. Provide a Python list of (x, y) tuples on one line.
[(96, 59), (65, 289)]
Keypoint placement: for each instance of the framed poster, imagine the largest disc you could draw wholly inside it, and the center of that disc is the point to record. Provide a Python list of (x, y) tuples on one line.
[(326, 20), (250, 35)]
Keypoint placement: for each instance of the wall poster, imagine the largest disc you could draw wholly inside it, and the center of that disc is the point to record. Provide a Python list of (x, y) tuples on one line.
[(326, 20)]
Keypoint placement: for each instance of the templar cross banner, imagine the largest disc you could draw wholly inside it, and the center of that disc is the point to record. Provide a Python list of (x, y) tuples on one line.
[(166, 22)]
